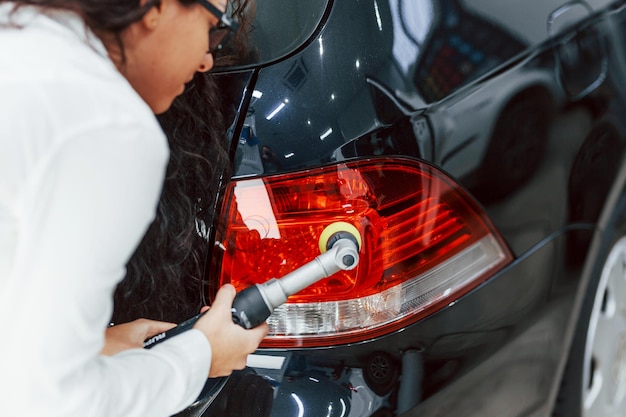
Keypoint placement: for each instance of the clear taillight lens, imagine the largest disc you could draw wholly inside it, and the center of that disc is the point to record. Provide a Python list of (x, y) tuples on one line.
[(425, 244)]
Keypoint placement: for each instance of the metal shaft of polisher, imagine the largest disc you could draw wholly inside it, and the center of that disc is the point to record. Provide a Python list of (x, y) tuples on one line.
[(255, 304)]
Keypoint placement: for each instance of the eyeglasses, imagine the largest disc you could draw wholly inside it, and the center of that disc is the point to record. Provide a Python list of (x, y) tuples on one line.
[(220, 34)]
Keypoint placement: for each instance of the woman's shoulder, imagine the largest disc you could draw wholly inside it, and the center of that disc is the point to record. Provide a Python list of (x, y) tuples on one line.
[(57, 82)]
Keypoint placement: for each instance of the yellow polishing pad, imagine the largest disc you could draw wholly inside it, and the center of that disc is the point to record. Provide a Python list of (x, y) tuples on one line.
[(338, 227)]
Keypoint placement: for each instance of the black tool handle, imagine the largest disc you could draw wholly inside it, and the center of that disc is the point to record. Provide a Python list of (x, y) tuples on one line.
[(182, 327), (249, 310)]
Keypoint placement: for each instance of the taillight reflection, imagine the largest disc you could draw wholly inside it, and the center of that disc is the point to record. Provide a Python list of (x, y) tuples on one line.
[(425, 244)]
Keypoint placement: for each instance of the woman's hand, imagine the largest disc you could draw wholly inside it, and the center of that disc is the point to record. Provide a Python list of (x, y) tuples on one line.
[(230, 344), (131, 335)]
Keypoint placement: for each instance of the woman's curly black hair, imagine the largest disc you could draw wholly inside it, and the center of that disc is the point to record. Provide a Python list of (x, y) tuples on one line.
[(164, 276)]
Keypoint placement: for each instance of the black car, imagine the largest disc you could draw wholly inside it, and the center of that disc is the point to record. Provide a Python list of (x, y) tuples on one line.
[(477, 146)]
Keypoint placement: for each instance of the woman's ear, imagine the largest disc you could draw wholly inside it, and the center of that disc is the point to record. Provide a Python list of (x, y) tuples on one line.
[(151, 19)]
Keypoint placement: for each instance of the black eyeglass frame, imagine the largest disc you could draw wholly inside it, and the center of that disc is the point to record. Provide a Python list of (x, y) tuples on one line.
[(226, 23)]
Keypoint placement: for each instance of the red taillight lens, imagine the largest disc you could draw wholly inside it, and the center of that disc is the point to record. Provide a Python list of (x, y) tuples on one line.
[(425, 243)]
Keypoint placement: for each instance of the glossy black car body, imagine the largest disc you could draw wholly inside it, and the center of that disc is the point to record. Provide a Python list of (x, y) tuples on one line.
[(522, 104)]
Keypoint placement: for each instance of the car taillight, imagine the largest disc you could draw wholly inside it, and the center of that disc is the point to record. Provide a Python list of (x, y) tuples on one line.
[(425, 243)]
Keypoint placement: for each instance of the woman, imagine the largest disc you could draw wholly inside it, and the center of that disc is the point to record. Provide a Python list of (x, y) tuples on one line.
[(81, 163)]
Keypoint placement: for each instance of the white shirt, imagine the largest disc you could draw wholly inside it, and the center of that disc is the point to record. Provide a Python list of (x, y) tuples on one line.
[(82, 159)]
